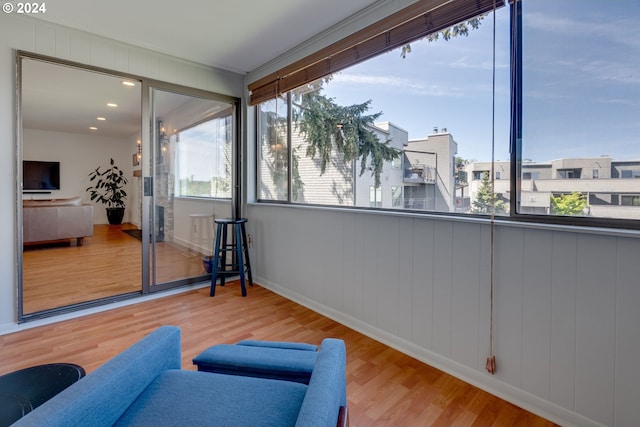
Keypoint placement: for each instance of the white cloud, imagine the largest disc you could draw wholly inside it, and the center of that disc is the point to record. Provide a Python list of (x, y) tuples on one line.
[(402, 83)]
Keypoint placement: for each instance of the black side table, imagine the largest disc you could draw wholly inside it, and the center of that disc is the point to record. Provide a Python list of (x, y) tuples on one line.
[(24, 390)]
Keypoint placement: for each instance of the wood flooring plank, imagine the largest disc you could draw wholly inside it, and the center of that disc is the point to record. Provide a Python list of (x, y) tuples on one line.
[(384, 386)]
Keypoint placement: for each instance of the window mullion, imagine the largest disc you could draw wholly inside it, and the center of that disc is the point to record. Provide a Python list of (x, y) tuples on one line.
[(516, 105), (289, 148)]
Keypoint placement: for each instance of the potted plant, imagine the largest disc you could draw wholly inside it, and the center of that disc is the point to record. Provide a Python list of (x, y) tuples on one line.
[(108, 188)]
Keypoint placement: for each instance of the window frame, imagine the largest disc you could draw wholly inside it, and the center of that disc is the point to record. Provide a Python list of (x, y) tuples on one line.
[(516, 158)]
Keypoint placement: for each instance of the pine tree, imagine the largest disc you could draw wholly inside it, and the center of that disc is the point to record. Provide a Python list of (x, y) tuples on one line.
[(325, 124), (486, 200)]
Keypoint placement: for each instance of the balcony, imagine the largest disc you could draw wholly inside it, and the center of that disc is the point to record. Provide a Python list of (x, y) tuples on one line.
[(420, 174)]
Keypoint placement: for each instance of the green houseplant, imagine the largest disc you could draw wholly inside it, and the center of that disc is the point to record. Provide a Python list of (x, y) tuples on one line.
[(108, 188)]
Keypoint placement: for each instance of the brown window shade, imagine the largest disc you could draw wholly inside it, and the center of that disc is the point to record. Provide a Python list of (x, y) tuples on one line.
[(414, 22)]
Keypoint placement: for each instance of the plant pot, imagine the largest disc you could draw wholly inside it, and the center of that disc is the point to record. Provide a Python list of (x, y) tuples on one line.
[(115, 215), (207, 262)]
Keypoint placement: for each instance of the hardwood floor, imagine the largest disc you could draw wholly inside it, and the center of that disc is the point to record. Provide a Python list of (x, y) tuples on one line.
[(109, 263), (384, 386)]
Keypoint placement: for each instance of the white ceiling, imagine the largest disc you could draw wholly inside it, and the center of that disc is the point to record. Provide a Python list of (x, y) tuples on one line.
[(66, 99), (235, 35)]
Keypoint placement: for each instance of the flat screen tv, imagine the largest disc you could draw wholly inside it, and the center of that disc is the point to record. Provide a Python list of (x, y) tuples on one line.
[(37, 175)]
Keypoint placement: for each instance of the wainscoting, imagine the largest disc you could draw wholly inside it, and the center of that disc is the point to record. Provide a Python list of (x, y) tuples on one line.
[(566, 334)]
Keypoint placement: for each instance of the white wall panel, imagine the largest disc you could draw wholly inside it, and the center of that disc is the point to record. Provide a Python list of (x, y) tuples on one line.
[(79, 48), (627, 351), (404, 277), (536, 311), (422, 283), (484, 296), (371, 264), (563, 319), (333, 259), (103, 53), (508, 294), (62, 44), (388, 264), (45, 40), (465, 294), (595, 327), (442, 276), (349, 265)]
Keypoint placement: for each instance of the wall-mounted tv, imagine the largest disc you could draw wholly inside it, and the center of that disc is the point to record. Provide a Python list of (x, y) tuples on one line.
[(37, 175)]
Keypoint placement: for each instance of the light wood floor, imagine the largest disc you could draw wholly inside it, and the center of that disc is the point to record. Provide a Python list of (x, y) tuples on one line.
[(109, 263), (384, 386)]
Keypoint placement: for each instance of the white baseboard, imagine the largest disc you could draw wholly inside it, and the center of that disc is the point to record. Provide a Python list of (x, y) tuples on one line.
[(490, 384)]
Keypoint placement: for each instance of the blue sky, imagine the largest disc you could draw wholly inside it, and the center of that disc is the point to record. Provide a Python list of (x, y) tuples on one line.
[(581, 83)]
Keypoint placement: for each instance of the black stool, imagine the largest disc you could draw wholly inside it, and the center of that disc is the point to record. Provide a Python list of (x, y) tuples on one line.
[(240, 254)]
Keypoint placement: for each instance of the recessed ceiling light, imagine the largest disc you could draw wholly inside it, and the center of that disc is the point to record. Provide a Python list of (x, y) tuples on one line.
[(112, 105), (128, 83), (93, 128), (102, 119)]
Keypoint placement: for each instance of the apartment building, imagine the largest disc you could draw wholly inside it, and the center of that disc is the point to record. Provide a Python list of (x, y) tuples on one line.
[(610, 186)]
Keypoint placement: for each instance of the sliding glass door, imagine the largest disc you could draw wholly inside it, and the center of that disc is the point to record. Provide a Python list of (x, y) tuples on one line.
[(190, 182), (174, 152)]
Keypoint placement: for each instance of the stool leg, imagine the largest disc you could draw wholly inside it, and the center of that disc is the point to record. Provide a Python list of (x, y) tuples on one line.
[(215, 263), (223, 260), (239, 259), (246, 254)]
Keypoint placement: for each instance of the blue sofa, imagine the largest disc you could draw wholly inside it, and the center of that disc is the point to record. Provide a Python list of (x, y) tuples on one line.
[(145, 386)]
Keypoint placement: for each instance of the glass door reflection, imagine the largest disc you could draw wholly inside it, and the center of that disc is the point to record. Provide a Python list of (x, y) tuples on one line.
[(192, 170), (78, 120)]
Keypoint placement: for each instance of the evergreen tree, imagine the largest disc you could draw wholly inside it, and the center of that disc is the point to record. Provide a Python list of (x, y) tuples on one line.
[(325, 123), (486, 200)]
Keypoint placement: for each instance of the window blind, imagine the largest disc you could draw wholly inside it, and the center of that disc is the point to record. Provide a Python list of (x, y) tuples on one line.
[(413, 22)]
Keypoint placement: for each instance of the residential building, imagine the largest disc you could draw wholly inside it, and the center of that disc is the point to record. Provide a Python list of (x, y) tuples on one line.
[(608, 185), (429, 182)]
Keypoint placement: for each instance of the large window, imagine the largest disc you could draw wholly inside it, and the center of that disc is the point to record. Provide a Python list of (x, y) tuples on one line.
[(204, 154), (531, 112), (386, 132), (273, 154), (580, 109)]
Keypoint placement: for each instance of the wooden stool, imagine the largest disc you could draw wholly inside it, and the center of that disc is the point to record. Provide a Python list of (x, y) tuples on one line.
[(239, 254)]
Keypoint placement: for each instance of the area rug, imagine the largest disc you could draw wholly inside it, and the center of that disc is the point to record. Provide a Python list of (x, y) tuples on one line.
[(136, 234)]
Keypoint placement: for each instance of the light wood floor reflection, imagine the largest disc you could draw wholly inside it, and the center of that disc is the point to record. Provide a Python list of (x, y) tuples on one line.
[(384, 387), (109, 263)]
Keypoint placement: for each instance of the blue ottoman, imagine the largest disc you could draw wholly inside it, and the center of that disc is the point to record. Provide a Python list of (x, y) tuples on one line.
[(264, 359)]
